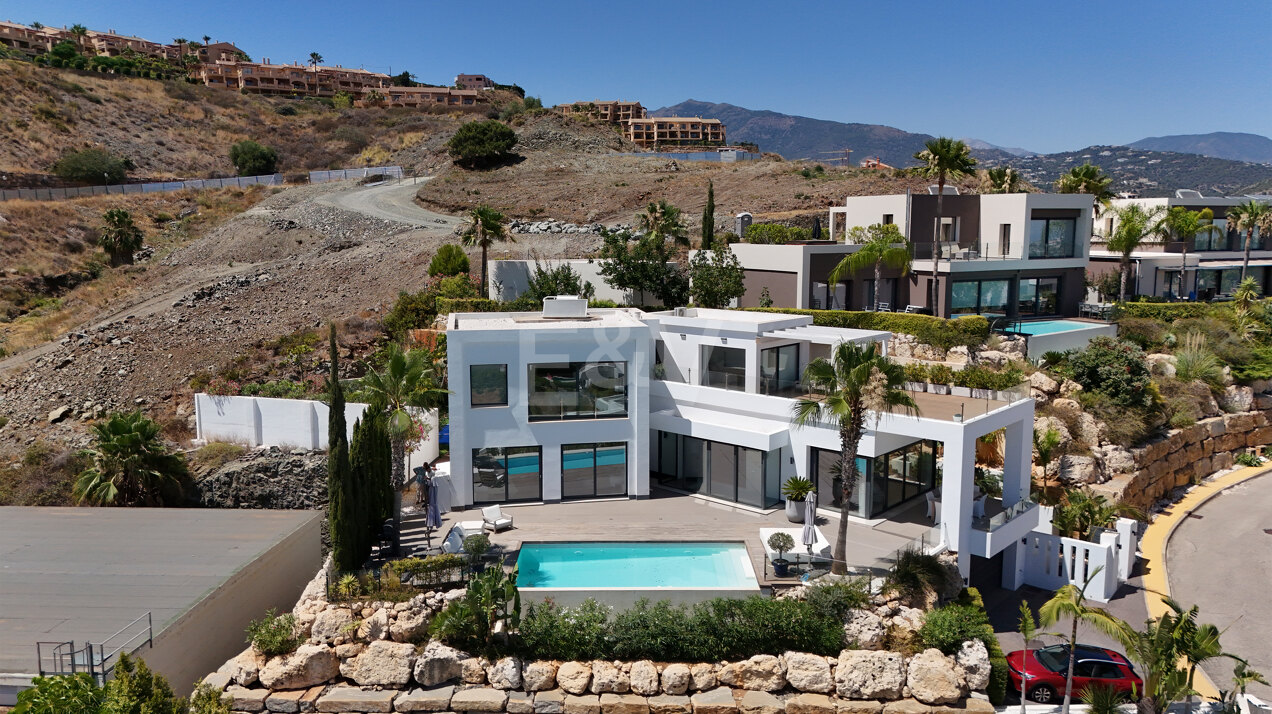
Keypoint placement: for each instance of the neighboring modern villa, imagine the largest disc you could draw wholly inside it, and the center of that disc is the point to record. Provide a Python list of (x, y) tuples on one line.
[(576, 404)]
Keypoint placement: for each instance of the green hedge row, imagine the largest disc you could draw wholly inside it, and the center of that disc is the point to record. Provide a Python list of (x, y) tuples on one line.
[(968, 331), (1165, 311), (445, 306)]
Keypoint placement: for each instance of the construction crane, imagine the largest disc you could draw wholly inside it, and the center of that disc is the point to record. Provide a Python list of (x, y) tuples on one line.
[(844, 156)]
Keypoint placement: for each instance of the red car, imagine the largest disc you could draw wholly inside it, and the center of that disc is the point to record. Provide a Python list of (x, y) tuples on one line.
[(1044, 672)]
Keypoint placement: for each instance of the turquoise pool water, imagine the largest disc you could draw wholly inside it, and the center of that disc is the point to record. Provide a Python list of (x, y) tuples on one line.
[(634, 565), (1050, 327)]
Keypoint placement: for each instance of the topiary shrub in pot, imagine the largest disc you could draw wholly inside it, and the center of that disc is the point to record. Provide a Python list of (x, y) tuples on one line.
[(781, 542)]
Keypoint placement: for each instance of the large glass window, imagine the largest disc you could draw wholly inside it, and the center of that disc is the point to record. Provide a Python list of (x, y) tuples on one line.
[(1052, 237), (578, 390), (900, 475), (779, 370), (488, 385), (979, 297), (1217, 239), (1038, 296), (829, 482), (589, 470), (725, 367), (503, 474), (724, 471)]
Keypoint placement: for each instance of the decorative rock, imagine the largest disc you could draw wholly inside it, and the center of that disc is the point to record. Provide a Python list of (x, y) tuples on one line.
[(478, 699), (670, 704), (245, 668), (757, 702), (934, 678), (716, 701), (1237, 398), (906, 706), (623, 704), (865, 628), (473, 670), (810, 704), (381, 664), (808, 672), (413, 628), (287, 702), (308, 666), (644, 678), (375, 627), (761, 672), (539, 676), (574, 677), (607, 677), (869, 675), (519, 703), (218, 681), (551, 701), (349, 649), (1080, 470), (974, 660), (582, 704), (703, 677), (908, 618), (1043, 383), (675, 678), (424, 700), (352, 699), (1162, 364), (246, 700), (858, 706), (1117, 460), (505, 673), (438, 664), (1069, 388), (330, 624)]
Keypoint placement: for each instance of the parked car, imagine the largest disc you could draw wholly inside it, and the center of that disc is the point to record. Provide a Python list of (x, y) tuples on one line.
[(1044, 672)]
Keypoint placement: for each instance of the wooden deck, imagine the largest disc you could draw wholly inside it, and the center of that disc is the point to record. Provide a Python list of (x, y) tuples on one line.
[(668, 516)]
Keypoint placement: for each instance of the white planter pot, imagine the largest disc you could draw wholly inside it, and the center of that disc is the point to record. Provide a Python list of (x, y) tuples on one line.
[(794, 511), (961, 391), (916, 386), (939, 388)]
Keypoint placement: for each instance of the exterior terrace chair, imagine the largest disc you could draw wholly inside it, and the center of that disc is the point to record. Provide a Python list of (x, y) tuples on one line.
[(494, 519)]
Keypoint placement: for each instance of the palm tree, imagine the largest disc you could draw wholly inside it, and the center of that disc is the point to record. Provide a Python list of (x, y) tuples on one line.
[(1134, 225), (855, 379), (485, 226), (1182, 225), (943, 158), (120, 237), (1003, 179), (206, 40), (79, 32), (315, 59), (1247, 217), (1082, 513), (661, 220), (1045, 444), (1070, 602), (881, 244), (180, 42), (1202, 645), (37, 26), (1166, 643), (1086, 178), (1028, 630), (131, 466)]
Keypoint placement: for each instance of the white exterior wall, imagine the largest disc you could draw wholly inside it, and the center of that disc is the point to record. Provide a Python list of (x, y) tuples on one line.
[(506, 426), (868, 210)]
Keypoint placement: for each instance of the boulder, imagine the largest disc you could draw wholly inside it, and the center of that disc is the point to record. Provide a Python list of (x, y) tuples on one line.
[(934, 678), (349, 649), (287, 700), (864, 628), (1078, 470), (243, 699), (539, 676), (473, 670), (1043, 423), (715, 701), (644, 678), (381, 664), (353, 699), (1069, 389), (478, 699), (973, 658), (58, 414), (519, 703), (412, 627), (1161, 364), (670, 704), (582, 704), (703, 677), (908, 618), (330, 624), (676, 679), (1066, 409), (551, 701), (1236, 398), (756, 702), (761, 672), (958, 354), (310, 665), (504, 673), (574, 677), (810, 704), (808, 672), (245, 668), (1088, 431), (862, 674), (608, 677), (375, 627), (436, 699), (623, 704), (1043, 383), (438, 664), (906, 706), (1117, 459), (993, 358)]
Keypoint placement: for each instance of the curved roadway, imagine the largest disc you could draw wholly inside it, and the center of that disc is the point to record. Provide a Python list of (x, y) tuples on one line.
[(391, 202), (1220, 558)]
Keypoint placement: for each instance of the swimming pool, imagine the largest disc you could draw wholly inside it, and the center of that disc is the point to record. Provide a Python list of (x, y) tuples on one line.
[(1046, 336), (1051, 327), (621, 573)]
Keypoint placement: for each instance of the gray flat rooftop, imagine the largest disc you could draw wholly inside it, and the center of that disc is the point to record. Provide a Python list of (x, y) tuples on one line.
[(83, 573)]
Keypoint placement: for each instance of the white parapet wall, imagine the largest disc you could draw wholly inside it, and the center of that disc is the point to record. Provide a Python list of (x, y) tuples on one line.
[(294, 423)]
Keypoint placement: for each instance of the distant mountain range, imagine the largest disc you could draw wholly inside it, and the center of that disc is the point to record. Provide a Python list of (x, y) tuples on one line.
[(1138, 168), (1220, 144)]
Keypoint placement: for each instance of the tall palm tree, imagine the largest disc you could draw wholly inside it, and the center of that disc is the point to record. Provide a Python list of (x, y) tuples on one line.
[(37, 26), (881, 244), (206, 40), (1134, 225), (130, 465), (1070, 603), (1247, 217), (944, 159), (485, 227), (1086, 178), (1046, 443), (1002, 179), (180, 42), (315, 59), (854, 380), (662, 220), (1182, 225)]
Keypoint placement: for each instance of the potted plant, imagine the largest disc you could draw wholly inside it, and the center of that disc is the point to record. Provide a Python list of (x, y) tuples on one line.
[(939, 377), (796, 489), (781, 542), (476, 546)]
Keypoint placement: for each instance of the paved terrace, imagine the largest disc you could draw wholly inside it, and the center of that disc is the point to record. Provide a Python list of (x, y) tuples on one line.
[(669, 516)]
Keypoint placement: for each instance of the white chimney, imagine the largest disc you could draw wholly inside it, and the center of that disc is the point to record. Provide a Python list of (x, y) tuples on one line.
[(564, 307)]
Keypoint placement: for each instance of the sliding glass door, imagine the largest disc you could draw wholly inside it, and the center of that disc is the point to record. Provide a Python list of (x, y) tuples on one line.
[(779, 370), (724, 471), (594, 470), (504, 474)]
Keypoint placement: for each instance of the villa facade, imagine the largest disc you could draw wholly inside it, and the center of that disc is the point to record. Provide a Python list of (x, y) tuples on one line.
[(575, 403)]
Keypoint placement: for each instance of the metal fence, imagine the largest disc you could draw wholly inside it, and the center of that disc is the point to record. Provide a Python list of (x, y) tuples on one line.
[(129, 189), (339, 174), (720, 156), (97, 659)]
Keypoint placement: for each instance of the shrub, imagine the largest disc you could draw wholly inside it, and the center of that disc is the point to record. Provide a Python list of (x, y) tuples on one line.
[(207, 700), (56, 695), (1145, 332), (431, 570), (1194, 362), (285, 110), (1114, 368), (446, 306), (836, 600), (977, 377), (119, 237), (470, 623), (1248, 459), (135, 688), (450, 259), (1126, 426), (1162, 312), (216, 454), (915, 573), (575, 633), (93, 166), (775, 233), (481, 143), (273, 634), (253, 159), (947, 628), (417, 310), (967, 331)]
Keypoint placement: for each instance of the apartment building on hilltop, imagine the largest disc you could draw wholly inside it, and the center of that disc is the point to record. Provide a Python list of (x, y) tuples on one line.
[(474, 81), (615, 112), (654, 132), (288, 79), (32, 41), (419, 97)]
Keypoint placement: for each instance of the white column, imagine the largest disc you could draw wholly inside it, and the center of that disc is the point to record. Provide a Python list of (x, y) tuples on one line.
[(1018, 460), (959, 468)]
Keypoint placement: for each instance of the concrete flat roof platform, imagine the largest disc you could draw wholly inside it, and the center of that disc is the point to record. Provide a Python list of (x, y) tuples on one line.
[(81, 574)]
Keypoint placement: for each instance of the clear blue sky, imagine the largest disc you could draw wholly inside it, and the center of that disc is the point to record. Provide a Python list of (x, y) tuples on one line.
[(1048, 76)]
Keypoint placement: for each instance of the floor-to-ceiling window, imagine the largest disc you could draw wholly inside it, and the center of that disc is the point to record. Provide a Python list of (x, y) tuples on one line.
[(978, 297), (593, 470), (1038, 296), (503, 474), (827, 296), (779, 370), (884, 482), (829, 483), (578, 390), (1052, 237), (724, 367), (720, 470)]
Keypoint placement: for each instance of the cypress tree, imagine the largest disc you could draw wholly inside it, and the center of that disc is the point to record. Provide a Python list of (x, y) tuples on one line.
[(708, 218), (380, 481), (339, 492), (359, 456)]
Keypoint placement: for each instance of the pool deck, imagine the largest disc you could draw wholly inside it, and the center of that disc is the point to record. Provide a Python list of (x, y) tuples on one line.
[(670, 516)]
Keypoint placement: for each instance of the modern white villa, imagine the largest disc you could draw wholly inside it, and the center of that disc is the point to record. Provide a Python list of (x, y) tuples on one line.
[(580, 404)]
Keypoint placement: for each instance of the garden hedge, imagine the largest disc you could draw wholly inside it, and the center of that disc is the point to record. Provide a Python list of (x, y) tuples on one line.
[(1167, 312), (967, 331), (445, 306)]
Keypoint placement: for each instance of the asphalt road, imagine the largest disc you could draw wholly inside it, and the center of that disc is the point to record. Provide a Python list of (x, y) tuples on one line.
[(1220, 559), (391, 202)]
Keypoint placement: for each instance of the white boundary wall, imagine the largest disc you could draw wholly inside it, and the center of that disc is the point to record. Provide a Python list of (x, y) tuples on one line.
[(1053, 561), (302, 423)]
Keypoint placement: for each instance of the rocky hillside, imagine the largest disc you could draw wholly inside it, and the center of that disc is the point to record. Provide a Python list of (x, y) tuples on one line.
[(1236, 146)]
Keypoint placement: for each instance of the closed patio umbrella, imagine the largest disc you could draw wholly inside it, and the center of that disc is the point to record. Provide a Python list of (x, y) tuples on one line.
[(433, 517), (809, 536), (817, 229)]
